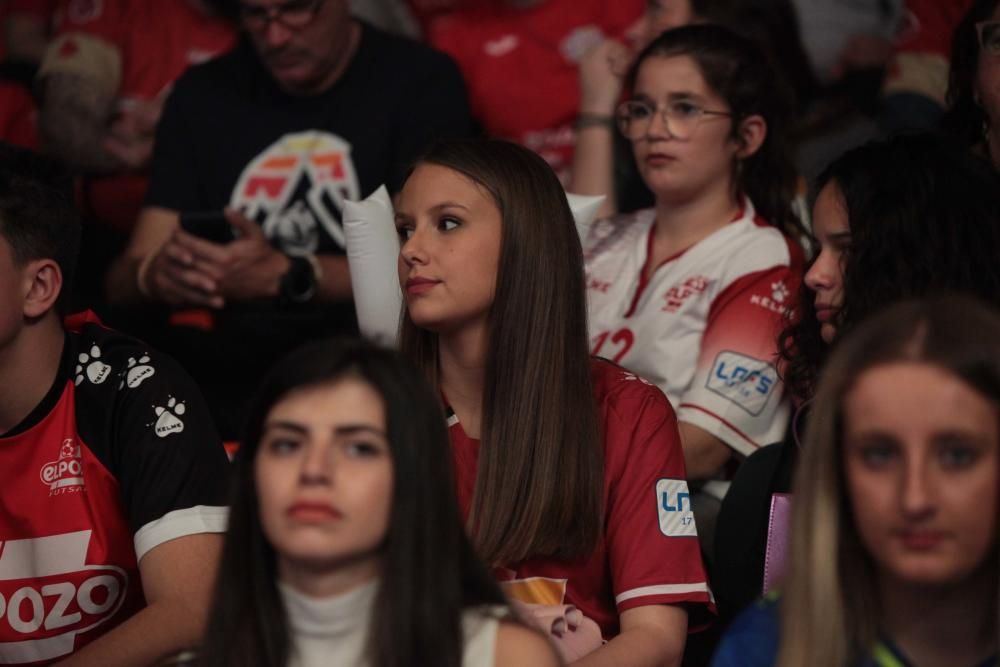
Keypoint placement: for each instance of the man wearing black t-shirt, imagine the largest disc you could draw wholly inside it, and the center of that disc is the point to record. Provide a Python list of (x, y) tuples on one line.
[(112, 476), (312, 108)]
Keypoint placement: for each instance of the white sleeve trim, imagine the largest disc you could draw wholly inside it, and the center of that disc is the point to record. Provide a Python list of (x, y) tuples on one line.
[(717, 426), (180, 523), (663, 589)]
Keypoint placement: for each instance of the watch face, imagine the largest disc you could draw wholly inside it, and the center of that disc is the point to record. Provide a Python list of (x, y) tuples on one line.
[(298, 285)]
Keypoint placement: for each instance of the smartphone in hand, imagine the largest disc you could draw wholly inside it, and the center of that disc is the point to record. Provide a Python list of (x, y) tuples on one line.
[(209, 225)]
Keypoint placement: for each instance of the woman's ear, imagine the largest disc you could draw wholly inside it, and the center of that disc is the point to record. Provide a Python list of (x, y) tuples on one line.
[(43, 282), (752, 133)]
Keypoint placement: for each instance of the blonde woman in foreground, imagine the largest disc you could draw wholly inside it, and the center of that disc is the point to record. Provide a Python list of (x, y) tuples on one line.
[(894, 532)]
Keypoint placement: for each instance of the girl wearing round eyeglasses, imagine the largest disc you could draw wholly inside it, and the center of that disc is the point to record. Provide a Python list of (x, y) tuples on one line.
[(691, 293)]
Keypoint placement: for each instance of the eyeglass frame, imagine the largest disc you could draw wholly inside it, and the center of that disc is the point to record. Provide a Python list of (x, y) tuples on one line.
[(980, 28), (267, 15), (661, 108)]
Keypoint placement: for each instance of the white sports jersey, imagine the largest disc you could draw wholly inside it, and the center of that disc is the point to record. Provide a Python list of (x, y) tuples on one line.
[(704, 327)]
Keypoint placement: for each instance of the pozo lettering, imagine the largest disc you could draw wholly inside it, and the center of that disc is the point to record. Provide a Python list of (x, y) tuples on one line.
[(48, 595)]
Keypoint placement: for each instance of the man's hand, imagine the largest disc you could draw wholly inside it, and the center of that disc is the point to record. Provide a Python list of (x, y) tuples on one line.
[(242, 270)]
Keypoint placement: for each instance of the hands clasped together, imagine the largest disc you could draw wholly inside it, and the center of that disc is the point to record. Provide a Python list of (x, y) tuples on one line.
[(193, 271)]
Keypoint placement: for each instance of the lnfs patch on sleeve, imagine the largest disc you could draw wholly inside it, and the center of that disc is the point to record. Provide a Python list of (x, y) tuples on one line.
[(673, 505)]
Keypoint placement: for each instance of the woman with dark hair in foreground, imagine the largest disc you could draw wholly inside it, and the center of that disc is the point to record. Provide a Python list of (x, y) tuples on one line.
[(345, 545)]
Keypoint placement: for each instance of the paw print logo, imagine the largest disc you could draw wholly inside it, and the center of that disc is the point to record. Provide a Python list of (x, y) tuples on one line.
[(91, 367), (137, 372), (779, 292), (168, 418)]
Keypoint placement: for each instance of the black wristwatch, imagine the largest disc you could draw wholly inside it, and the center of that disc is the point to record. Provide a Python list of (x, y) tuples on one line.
[(298, 284)]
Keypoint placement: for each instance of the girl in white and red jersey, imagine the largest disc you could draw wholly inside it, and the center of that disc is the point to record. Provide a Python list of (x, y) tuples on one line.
[(691, 293), (569, 469)]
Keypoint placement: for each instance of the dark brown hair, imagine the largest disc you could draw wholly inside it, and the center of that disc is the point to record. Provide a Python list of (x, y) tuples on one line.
[(429, 573), (737, 70), (539, 484)]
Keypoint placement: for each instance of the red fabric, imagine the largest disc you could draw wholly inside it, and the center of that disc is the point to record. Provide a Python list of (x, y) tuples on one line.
[(18, 116), (55, 487), (157, 40), (43, 9), (521, 65), (642, 454), (929, 25)]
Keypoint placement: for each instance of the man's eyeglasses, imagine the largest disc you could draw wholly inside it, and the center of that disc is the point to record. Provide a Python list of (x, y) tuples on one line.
[(293, 14), (989, 37), (681, 118)]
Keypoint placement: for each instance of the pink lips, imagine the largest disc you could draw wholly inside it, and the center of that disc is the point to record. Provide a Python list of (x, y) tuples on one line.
[(313, 512), (415, 286), (825, 313), (921, 540), (659, 159)]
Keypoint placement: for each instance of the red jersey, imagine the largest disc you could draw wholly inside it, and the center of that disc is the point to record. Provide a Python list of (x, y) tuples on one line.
[(521, 66), (649, 552), (137, 48), (704, 325), (119, 457)]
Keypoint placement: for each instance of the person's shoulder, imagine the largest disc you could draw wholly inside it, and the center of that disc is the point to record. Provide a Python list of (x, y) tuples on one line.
[(753, 637), (223, 71), (107, 355), (621, 228), (519, 645), (622, 391), (399, 51)]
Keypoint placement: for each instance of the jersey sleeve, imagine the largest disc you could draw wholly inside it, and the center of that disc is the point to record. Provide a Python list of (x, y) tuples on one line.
[(88, 42), (653, 549), (735, 394), (171, 466)]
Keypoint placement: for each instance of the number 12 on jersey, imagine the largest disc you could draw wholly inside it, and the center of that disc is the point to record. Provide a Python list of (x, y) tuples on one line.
[(621, 342)]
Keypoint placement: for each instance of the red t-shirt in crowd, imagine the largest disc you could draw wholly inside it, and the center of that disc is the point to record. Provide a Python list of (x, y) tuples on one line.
[(154, 42), (521, 65)]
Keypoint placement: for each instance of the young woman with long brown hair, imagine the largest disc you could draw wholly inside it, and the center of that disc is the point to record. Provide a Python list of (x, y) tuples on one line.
[(569, 468)]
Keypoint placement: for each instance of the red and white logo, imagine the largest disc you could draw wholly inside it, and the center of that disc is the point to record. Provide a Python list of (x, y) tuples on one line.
[(66, 474), (298, 186), (49, 595), (677, 295)]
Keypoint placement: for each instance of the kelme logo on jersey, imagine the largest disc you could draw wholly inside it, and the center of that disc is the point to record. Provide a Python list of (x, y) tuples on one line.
[(64, 475), (49, 595), (745, 381), (673, 505), (296, 187)]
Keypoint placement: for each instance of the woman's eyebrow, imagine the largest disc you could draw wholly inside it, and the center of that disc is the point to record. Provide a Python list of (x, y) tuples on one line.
[(285, 425), (354, 429)]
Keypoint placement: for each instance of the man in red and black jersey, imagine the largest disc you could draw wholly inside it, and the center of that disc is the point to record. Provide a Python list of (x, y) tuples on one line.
[(112, 475)]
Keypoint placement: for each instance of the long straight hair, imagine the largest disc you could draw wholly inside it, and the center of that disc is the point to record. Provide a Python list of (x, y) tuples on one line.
[(539, 484), (830, 608), (429, 570)]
